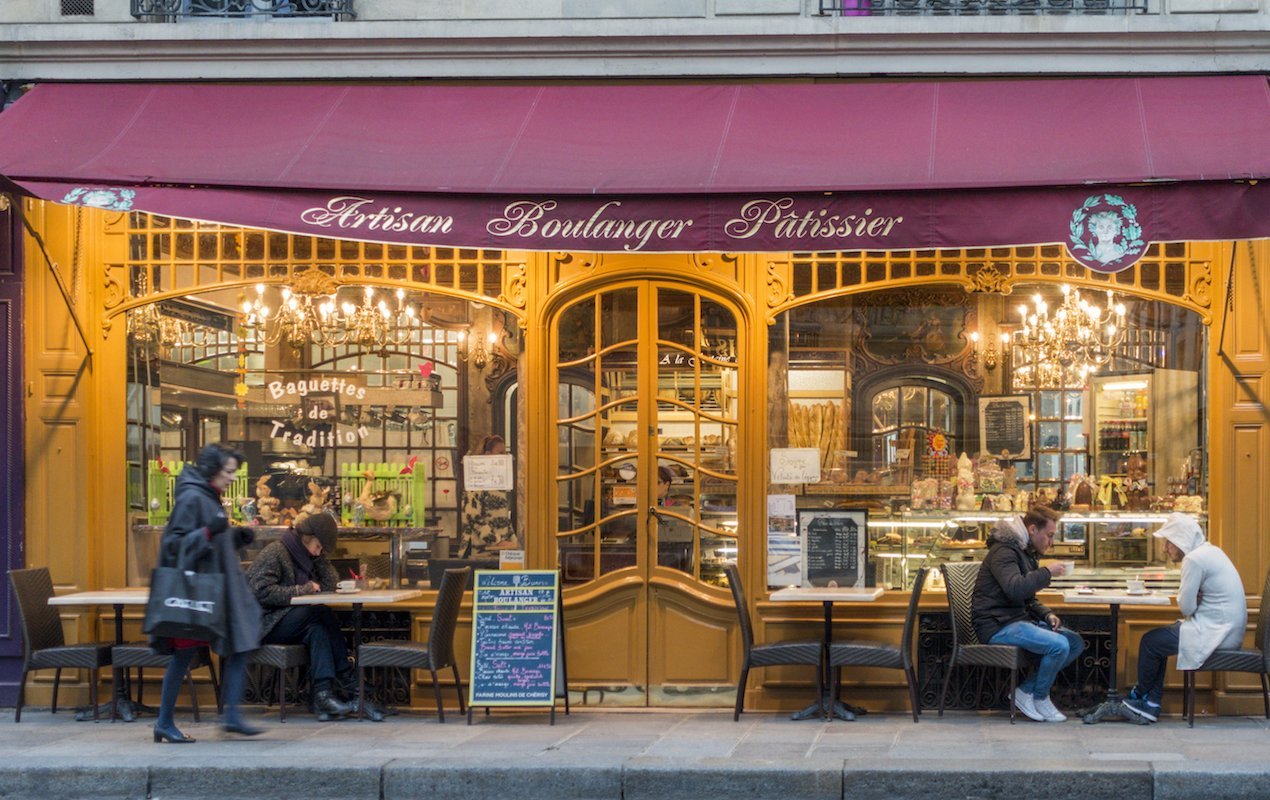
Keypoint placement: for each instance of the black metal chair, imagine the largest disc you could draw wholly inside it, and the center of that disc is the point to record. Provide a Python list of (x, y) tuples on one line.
[(435, 654), (43, 644), (1255, 660), (284, 658), (959, 580), (793, 653), (865, 653), (139, 656)]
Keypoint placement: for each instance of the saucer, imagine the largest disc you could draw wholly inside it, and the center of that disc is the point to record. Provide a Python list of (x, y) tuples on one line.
[(347, 591), (1137, 592)]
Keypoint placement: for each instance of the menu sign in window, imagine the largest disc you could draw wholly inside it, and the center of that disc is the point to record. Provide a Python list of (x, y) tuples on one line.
[(492, 473), (1005, 428), (833, 546), (514, 635)]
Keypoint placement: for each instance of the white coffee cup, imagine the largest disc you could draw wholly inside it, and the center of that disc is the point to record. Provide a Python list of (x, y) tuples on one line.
[(1068, 567), (346, 586), (1136, 587)]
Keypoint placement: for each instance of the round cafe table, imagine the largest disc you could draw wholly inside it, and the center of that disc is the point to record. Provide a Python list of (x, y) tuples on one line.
[(825, 707), (1113, 599), (125, 709)]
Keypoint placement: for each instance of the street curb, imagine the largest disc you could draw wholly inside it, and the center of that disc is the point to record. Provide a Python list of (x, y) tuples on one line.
[(232, 781), (1212, 781), (990, 778), (411, 779), (641, 778), (101, 782), (684, 779)]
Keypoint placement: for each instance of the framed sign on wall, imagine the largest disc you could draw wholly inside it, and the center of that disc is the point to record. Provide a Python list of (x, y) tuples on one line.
[(1005, 426)]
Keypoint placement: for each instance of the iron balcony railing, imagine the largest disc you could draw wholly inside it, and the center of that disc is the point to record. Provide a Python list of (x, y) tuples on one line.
[(174, 10), (978, 8)]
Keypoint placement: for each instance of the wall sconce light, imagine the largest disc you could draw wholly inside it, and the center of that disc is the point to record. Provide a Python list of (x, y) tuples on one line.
[(478, 353), (990, 357)]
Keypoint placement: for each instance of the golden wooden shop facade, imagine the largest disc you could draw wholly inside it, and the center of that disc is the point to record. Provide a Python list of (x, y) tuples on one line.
[(646, 394), (640, 630)]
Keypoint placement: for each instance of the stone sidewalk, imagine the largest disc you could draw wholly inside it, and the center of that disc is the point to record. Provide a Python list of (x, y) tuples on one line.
[(610, 755)]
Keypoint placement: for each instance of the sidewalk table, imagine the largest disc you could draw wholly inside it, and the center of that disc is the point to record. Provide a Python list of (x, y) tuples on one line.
[(1113, 599), (363, 597), (124, 708), (825, 706)]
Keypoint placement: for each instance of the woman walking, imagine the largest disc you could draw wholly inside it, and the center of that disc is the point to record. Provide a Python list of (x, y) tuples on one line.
[(198, 521)]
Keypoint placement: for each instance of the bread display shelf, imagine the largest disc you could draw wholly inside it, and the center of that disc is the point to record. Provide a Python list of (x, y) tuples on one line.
[(857, 489)]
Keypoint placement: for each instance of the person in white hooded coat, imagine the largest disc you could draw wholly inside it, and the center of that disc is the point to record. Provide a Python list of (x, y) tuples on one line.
[(1214, 613)]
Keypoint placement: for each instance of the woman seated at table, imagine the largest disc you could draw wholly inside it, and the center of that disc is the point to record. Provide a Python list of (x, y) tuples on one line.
[(297, 565)]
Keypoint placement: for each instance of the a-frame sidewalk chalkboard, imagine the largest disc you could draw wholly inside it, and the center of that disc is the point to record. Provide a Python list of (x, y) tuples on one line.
[(518, 648)]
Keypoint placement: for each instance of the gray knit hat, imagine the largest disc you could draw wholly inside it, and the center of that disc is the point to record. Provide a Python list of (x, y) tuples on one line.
[(321, 525)]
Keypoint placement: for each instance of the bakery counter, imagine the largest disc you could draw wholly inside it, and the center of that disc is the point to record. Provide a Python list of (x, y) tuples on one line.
[(382, 550)]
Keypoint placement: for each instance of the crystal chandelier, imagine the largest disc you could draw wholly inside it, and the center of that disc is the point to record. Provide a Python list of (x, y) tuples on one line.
[(311, 313), (1062, 348), (150, 330)]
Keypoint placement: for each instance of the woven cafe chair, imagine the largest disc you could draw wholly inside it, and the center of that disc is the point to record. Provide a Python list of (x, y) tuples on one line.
[(864, 653), (1255, 659), (139, 656), (285, 659), (435, 654), (959, 579), (772, 654), (43, 644)]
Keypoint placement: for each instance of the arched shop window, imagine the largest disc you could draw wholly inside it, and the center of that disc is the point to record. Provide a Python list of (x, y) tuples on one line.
[(903, 417), (939, 411), (346, 382)]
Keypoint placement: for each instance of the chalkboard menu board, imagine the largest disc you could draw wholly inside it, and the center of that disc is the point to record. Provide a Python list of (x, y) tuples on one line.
[(833, 546), (1004, 427), (514, 635)]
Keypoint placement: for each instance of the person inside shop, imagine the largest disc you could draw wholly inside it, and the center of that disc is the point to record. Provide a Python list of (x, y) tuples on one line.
[(1005, 609), (1214, 613), (198, 521), (297, 564), (674, 535), (487, 513)]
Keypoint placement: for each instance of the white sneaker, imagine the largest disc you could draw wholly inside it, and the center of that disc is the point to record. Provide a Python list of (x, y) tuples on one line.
[(1023, 702), (1049, 711)]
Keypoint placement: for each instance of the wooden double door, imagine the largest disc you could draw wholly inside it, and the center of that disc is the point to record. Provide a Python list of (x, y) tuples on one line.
[(646, 379)]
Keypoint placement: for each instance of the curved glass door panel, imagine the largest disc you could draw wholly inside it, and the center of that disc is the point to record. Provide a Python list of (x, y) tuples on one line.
[(696, 434), (597, 463)]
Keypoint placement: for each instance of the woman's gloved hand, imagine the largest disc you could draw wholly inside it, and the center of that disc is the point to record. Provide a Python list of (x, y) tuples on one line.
[(244, 536)]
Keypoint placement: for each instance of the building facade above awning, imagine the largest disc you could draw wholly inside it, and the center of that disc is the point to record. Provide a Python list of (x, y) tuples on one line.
[(1103, 165)]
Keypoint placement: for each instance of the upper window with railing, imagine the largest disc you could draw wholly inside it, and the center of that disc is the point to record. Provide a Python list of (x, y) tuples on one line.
[(977, 8), (174, 10)]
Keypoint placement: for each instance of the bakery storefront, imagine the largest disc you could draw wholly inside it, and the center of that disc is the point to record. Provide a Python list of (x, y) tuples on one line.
[(640, 346)]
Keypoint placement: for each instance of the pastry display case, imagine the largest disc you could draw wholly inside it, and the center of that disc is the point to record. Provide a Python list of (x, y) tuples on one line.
[(1109, 541), (395, 556)]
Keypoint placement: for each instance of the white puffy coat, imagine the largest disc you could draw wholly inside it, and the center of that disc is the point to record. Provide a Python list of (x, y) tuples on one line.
[(1219, 619)]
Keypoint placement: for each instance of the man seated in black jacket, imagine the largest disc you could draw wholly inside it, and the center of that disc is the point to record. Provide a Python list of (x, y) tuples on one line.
[(1006, 611)]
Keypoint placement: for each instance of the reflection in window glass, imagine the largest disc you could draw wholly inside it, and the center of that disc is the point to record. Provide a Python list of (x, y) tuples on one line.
[(913, 410), (886, 410)]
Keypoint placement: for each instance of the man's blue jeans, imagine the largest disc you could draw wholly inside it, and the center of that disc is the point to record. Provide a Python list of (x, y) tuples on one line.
[(1057, 649)]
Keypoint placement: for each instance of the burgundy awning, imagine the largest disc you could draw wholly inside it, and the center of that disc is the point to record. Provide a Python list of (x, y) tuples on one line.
[(1102, 165)]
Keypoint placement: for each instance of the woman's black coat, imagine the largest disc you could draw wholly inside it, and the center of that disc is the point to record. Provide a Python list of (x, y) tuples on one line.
[(197, 505)]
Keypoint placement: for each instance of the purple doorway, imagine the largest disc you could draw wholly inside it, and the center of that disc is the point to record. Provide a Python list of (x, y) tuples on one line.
[(12, 539)]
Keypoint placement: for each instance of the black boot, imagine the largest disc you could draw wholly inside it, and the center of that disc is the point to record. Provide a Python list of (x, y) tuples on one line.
[(371, 711), (327, 706)]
